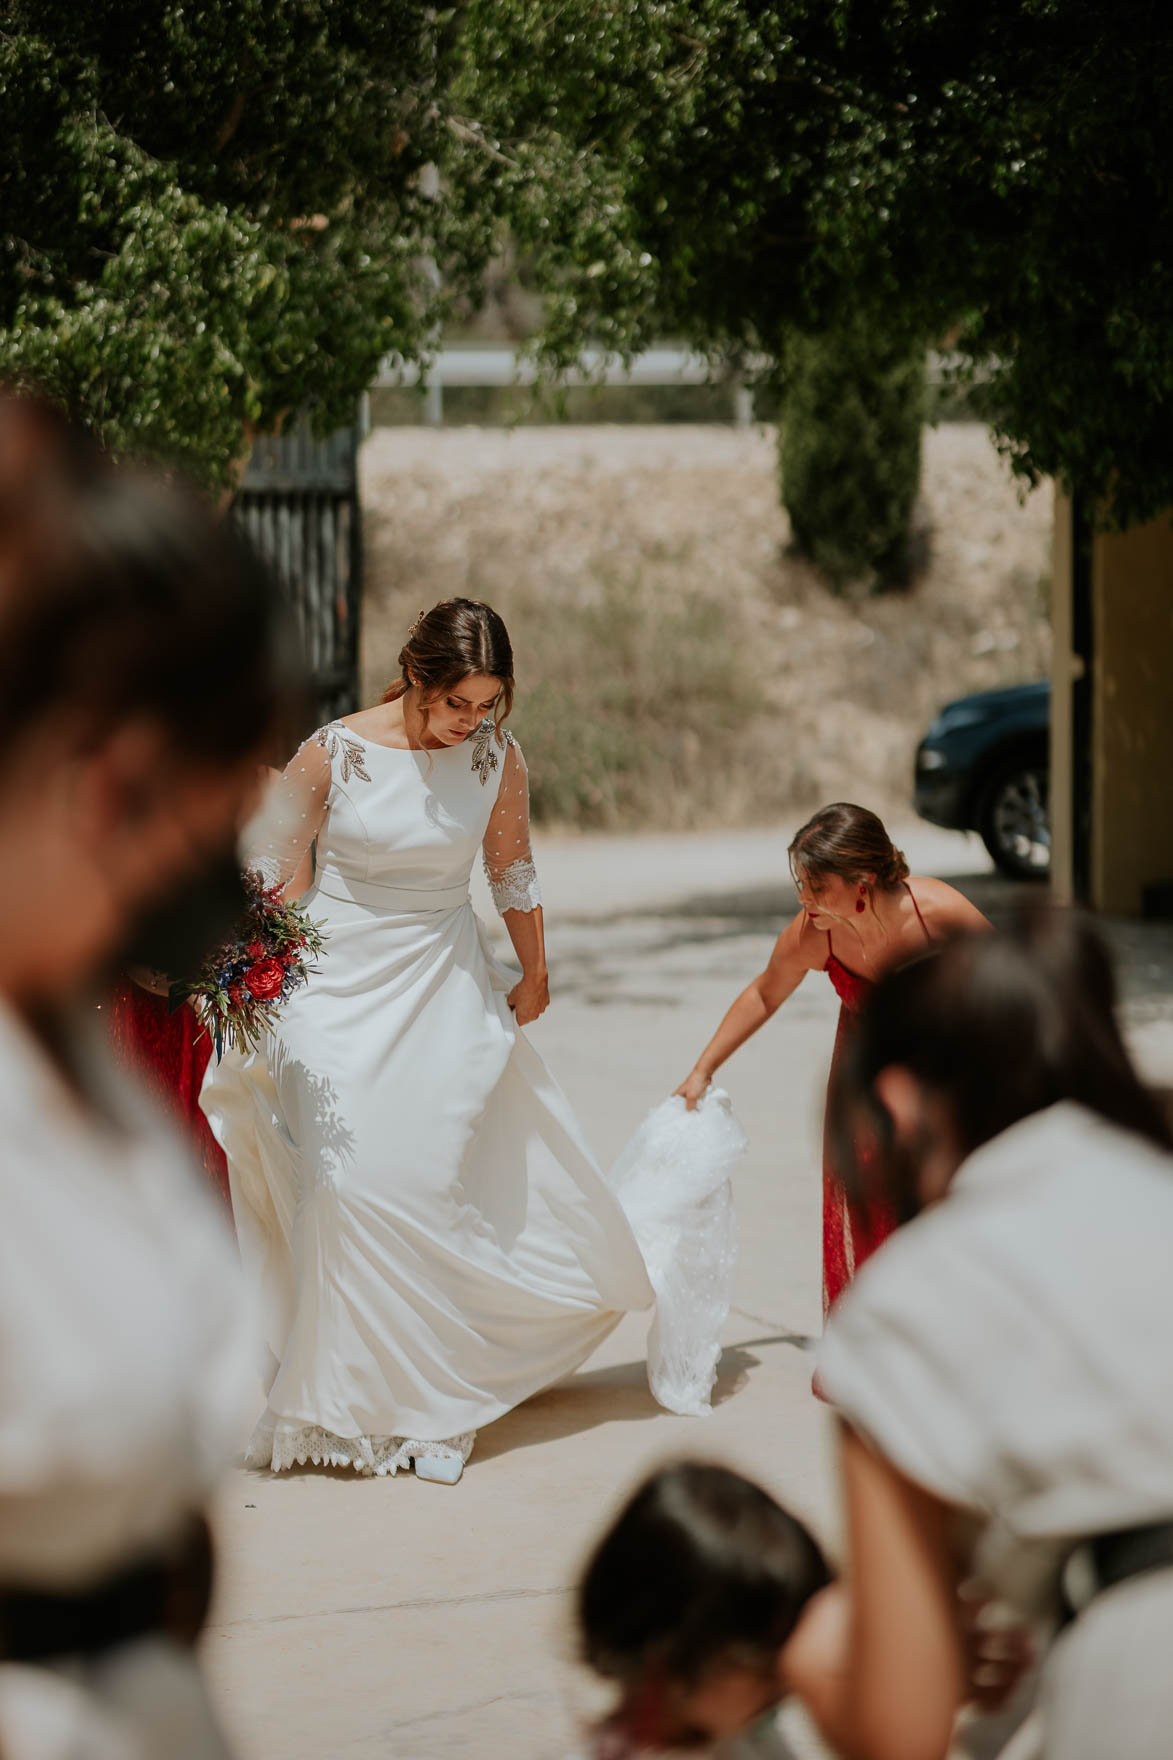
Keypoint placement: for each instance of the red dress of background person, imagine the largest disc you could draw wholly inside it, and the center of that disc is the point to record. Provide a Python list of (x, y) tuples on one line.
[(170, 1052), (851, 1232)]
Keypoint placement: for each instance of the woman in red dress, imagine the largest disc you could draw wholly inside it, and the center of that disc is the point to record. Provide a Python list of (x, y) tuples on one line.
[(862, 915), (170, 1051)]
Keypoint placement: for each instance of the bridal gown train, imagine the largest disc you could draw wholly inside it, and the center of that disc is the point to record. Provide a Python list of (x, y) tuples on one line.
[(431, 1236)]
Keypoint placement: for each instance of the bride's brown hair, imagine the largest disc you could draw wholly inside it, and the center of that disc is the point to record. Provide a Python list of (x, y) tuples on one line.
[(456, 638), (850, 842)]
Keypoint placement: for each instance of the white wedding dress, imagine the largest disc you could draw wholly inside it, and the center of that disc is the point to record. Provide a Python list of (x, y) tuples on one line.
[(431, 1237)]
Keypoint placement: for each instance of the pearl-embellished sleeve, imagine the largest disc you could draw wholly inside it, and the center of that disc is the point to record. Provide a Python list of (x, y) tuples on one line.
[(509, 862), (291, 814)]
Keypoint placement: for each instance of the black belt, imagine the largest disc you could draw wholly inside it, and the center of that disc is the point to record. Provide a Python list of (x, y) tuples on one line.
[(167, 1593), (1105, 1560)]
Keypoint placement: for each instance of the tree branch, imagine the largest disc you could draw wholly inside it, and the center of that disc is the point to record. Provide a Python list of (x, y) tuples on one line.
[(231, 122), (465, 132)]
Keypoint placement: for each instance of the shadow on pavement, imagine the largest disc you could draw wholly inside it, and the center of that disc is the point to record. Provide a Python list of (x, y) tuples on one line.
[(609, 1396), (582, 1402), (1143, 951)]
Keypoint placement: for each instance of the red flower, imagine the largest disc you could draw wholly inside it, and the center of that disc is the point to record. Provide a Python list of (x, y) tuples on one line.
[(236, 995), (266, 979), (256, 950)]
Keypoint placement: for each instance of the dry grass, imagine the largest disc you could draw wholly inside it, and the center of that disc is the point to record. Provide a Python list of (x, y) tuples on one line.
[(676, 666)]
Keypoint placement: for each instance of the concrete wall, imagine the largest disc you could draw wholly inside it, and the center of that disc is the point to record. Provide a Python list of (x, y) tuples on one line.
[(1132, 753)]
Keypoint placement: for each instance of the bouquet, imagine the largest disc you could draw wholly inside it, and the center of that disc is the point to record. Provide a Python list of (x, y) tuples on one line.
[(241, 987)]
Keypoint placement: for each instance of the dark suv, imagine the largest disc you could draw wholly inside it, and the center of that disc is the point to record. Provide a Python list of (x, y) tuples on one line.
[(984, 766)]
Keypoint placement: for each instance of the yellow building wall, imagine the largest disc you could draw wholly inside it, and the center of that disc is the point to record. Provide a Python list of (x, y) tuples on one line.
[(1132, 715), (1064, 664)]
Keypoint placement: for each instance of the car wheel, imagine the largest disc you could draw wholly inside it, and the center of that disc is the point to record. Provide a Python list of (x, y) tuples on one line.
[(1015, 819)]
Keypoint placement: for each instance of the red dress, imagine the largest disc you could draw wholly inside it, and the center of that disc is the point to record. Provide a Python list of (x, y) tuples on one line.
[(851, 1232), (170, 1052)]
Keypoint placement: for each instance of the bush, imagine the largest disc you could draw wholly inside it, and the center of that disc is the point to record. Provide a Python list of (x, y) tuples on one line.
[(850, 450)]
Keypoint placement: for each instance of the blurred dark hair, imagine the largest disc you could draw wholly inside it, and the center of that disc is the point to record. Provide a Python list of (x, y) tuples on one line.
[(1002, 1025), (456, 638), (847, 841), (701, 1565), (122, 595)]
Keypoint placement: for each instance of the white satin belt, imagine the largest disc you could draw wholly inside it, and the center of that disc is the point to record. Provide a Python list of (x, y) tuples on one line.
[(410, 900)]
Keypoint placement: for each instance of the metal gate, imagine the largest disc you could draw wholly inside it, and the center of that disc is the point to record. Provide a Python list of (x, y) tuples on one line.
[(298, 503)]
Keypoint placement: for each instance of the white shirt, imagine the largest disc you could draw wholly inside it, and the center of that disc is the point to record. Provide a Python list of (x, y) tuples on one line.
[(127, 1354), (1011, 1350)]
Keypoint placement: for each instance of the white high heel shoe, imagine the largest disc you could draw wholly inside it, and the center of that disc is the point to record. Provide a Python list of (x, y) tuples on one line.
[(440, 1469), (441, 1462)]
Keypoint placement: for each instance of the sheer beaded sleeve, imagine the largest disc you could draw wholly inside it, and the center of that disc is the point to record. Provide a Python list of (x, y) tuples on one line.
[(509, 863), (290, 816)]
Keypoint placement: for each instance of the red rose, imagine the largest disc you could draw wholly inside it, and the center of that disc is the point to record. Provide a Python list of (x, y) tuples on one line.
[(290, 957), (256, 950), (266, 979)]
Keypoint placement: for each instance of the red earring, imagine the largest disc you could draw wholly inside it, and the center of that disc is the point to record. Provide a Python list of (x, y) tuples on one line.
[(861, 903)]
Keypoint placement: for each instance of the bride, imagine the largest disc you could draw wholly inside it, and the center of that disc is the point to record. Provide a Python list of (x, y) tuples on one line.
[(432, 1238)]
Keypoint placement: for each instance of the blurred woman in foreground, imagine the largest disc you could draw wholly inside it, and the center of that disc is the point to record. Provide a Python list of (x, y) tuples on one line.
[(138, 681), (1003, 1369)]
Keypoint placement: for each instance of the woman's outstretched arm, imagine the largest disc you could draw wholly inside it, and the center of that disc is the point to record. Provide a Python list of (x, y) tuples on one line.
[(798, 950)]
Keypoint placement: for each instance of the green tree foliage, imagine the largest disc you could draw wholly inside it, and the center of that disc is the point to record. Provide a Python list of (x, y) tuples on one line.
[(994, 171), (215, 210), (213, 213), (850, 451)]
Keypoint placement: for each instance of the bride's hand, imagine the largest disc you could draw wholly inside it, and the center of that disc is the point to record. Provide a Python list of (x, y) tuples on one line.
[(691, 1090), (529, 999)]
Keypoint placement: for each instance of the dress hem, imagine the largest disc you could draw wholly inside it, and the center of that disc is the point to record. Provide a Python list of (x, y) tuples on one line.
[(285, 1446)]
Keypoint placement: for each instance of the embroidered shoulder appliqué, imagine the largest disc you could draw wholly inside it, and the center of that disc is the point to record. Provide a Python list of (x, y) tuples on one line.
[(484, 749), (339, 743)]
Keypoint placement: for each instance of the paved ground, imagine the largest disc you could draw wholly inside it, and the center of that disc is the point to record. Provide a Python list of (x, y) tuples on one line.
[(362, 1618)]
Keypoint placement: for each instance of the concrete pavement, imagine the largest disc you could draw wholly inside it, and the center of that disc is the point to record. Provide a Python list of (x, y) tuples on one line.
[(371, 1618)]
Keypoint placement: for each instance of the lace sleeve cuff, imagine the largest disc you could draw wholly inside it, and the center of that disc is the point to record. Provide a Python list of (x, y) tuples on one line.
[(516, 887)]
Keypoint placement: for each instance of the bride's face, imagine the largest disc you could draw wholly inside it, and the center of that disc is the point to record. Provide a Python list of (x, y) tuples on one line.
[(456, 713)]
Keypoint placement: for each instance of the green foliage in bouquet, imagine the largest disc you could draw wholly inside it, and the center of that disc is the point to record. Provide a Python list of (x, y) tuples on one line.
[(239, 992)]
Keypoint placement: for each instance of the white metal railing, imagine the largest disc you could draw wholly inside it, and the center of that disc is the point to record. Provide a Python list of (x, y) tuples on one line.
[(500, 364)]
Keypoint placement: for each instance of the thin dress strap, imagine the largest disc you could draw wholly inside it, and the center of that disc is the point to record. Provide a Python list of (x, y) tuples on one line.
[(832, 955), (916, 908)]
